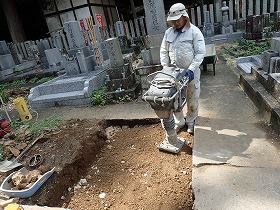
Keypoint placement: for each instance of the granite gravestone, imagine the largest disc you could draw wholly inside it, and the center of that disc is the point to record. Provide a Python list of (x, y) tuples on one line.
[(208, 27), (155, 16), (254, 27), (74, 35), (114, 52)]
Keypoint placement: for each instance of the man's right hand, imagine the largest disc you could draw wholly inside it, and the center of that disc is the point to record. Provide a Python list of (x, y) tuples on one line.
[(190, 74)]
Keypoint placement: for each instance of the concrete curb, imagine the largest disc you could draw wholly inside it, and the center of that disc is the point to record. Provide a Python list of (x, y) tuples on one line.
[(266, 103)]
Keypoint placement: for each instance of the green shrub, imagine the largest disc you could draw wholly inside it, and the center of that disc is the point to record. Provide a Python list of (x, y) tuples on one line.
[(18, 83), (4, 94), (33, 80), (246, 47), (101, 97)]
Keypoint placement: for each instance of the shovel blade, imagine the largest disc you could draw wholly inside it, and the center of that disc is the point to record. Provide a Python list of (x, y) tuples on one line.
[(7, 165)]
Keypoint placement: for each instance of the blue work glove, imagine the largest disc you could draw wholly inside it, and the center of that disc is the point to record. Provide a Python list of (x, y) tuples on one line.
[(190, 74)]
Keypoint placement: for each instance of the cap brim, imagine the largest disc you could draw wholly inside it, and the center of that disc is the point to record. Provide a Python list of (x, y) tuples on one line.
[(170, 18)]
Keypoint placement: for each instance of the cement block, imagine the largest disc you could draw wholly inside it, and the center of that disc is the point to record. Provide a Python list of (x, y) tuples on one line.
[(275, 44), (273, 84), (265, 57)]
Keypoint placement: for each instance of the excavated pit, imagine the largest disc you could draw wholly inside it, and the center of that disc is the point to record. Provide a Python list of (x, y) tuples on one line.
[(119, 164)]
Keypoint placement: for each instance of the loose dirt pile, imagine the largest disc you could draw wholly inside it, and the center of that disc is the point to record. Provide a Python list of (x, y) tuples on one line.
[(99, 166)]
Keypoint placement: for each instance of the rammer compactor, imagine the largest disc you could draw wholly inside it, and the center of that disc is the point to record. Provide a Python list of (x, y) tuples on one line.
[(168, 93)]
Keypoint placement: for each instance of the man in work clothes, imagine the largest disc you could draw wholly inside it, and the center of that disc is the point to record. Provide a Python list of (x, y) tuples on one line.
[(183, 46)]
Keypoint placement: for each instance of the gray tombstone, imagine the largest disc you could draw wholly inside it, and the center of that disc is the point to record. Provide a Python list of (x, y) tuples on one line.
[(14, 53), (132, 28), (208, 27), (137, 28), (265, 19), (155, 16), (53, 56), (254, 27), (57, 40), (127, 30), (25, 55), (74, 35), (142, 26), (111, 29), (4, 48), (265, 59), (81, 61), (226, 26), (114, 52), (6, 61), (146, 56)]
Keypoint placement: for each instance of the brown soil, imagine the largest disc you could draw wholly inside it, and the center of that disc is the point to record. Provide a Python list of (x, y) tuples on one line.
[(122, 164)]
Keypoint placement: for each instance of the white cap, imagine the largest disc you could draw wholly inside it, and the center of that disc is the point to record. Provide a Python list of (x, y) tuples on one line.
[(176, 11)]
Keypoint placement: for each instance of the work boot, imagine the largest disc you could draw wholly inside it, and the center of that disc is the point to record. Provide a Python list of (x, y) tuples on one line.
[(190, 129)]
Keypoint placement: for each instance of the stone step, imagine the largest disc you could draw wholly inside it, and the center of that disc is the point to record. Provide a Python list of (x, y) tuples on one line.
[(74, 98), (246, 63), (246, 67), (61, 87), (60, 96)]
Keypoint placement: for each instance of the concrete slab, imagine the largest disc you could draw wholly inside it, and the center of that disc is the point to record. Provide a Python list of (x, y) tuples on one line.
[(235, 160), (236, 188)]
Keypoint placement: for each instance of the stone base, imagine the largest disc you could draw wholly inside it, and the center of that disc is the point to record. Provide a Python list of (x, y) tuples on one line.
[(253, 36), (224, 38), (132, 92), (271, 82), (123, 83), (66, 90), (119, 72), (144, 71)]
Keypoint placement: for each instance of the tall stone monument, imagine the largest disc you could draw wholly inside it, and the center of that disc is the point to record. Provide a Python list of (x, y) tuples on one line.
[(6, 60), (226, 26), (156, 25), (120, 79), (208, 27), (254, 27)]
